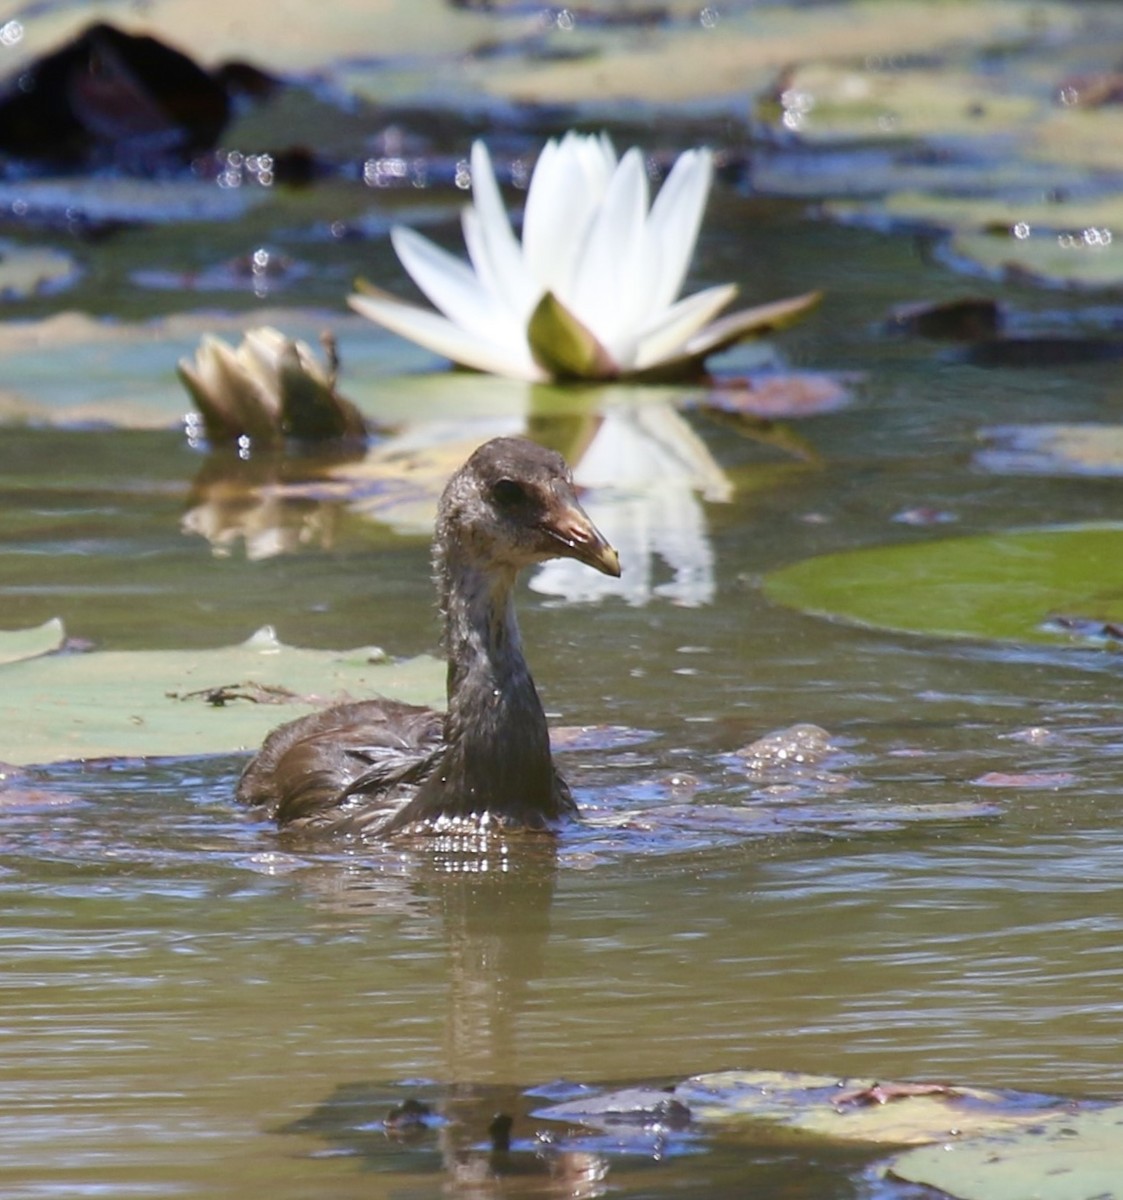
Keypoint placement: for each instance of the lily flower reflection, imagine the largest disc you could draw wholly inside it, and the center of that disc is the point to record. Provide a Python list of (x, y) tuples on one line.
[(269, 505), (590, 292), (270, 388), (645, 469)]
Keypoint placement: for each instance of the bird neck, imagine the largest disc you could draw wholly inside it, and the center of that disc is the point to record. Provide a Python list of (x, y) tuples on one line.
[(496, 758), (491, 695)]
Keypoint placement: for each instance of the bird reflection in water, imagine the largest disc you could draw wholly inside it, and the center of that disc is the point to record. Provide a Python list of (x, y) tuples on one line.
[(492, 895)]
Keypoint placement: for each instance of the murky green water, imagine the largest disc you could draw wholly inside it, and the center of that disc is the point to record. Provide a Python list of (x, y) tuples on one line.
[(182, 987)]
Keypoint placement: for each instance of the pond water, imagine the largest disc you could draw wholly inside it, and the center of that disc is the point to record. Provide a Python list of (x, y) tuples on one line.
[(194, 1004)]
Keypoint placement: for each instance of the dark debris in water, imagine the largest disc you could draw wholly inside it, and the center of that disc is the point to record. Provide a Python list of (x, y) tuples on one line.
[(1043, 351), (1094, 630), (108, 97), (260, 271), (493, 1132), (964, 319)]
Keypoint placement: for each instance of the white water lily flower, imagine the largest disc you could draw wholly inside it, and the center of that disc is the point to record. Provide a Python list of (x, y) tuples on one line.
[(591, 290), (269, 388)]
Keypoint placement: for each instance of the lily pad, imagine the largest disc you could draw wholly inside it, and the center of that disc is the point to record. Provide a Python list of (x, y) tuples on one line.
[(982, 213), (828, 102), (103, 200), (128, 370), (155, 703), (1078, 1157), (852, 1110), (31, 270), (726, 52), (1063, 243), (17, 644), (1008, 586), (1084, 449), (1083, 258)]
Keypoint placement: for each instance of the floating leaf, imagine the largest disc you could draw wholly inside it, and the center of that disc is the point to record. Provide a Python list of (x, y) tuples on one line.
[(1083, 258), (1048, 780), (982, 213), (1085, 449), (826, 101), (776, 395), (1076, 1157), (1081, 137), (964, 319), (740, 50), (860, 1110), (28, 270), (1008, 586), (17, 644), (105, 200), (128, 369), (110, 704), (1061, 243)]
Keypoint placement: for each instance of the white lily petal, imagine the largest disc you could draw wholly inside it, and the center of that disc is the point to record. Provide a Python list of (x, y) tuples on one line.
[(565, 190), (435, 333), (676, 219), (605, 296), (449, 283), (668, 337), (492, 246), (750, 322), (514, 299), (609, 263)]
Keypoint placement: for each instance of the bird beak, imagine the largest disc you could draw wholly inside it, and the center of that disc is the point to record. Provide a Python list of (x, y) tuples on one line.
[(577, 537)]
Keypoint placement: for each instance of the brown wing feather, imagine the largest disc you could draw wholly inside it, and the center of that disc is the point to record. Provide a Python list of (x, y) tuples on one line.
[(308, 768)]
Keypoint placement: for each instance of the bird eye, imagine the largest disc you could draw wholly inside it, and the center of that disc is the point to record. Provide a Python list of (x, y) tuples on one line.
[(508, 493)]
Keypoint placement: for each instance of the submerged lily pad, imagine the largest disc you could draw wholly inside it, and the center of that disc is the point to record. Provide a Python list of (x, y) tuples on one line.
[(1008, 586), (1078, 1157), (31, 270), (155, 703), (860, 1110), (1084, 449)]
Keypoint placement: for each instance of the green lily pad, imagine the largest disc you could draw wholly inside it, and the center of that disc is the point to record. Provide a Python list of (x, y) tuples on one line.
[(980, 214), (1067, 243), (859, 1110), (729, 51), (1080, 137), (129, 369), (825, 102), (157, 703), (1084, 258), (1079, 1157), (17, 644), (1031, 586)]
